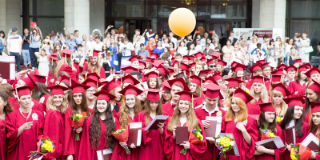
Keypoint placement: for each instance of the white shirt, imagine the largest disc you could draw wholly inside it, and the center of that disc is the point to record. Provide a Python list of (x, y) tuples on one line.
[(216, 109), (15, 43)]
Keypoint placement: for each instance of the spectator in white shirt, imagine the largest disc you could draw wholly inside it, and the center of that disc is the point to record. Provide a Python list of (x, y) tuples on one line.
[(14, 44)]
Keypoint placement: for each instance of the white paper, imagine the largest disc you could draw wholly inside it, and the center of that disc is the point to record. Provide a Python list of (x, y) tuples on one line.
[(100, 153), (310, 138), (134, 125), (277, 140), (12, 71), (158, 117), (139, 137), (290, 124)]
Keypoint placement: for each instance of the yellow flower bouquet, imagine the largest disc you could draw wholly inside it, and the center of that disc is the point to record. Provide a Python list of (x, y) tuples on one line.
[(195, 137), (224, 144), (266, 133), (299, 152), (279, 118), (44, 146)]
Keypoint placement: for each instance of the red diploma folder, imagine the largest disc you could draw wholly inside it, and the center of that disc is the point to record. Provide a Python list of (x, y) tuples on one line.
[(312, 142), (271, 143), (7, 67), (182, 134), (290, 132), (154, 123), (135, 133), (215, 127)]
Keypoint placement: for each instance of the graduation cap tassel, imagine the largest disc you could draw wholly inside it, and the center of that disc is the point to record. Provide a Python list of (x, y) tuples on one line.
[(85, 77), (192, 100), (17, 94)]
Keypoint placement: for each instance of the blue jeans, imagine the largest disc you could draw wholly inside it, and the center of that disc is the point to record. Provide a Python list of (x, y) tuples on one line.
[(33, 57), (26, 57), (17, 58)]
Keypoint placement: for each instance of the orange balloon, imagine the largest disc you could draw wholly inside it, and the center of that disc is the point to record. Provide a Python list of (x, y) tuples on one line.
[(182, 21)]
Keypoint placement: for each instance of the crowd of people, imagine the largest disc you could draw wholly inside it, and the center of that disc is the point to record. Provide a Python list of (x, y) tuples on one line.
[(249, 85)]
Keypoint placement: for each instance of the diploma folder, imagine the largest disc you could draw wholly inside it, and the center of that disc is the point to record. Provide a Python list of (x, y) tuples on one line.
[(215, 127), (182, 134), (135, 133), (290, 132), (271, 143), (154, 123), (8, 67), (234, 150), (312, 142)]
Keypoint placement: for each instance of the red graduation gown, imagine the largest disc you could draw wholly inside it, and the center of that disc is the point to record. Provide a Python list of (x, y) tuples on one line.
[(15, 104), (296, 88), (71, 146), (19, 148), (277, 152), (253, 108), (168, 108), (54, 129), (87, 152), (246, 151), (152, 141), (3, 141), (212, 152), (102, 71), (305, 131), (172, 150)]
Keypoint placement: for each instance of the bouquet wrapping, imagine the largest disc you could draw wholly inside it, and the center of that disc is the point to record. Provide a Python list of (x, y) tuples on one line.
[(122, 135), (77, 121)]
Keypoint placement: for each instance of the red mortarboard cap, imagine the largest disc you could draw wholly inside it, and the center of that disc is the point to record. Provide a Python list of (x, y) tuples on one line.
[(53, 59), (315, 107), (192, 65), (312, 71), (261, 62), (152, 74), (153, 95), (266, 64), (93, 76), (205, 72), (266, 107), (213, 91), (163, 70), (64, 78), (239, 67), (255, 67), (95, 53), (308, 65), (157, 63), (315, 86), (184, 67), (54, 55), (165, 86), (66, 53), (302, 68), (199, 55), (28, 81), (24, 90), (129, 79), (221, 62), (217, 76), (130, 89), (203, 59), (295, 101), (91, 83), (216, 54), (148, 59), (186, 96), (57, 90), (180, 82), (78, 88), (104, 95), (210, 80), (112, 85), (129, 69), (239, 93), (210, 61), (282, 66), (258, 79), (233, 64), (276, 78), (141, 63), (234, 82), (134, 58), (154, 55), (281, 88), (291, 68), (196, 79), (278, 72), (298, 60)]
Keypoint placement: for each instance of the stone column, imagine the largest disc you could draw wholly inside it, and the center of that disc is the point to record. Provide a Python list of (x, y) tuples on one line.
[(10, 15), (77, 15)]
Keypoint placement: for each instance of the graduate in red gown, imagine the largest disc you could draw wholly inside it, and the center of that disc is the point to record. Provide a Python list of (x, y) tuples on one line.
[(315, 125), (97, 131), (298, 86), (93, 65), (91, 89), (278, 93), (52, 66), (177, 85), (260, 95), (195, 88), (210, 109), (5, 109), (313, 95), (130, 108), (233, 84), (114, 87), (267, 123), (152, 140), (183, 116), (77, 105), (295, 112), (24, 126), (243, 128), (54, 124)]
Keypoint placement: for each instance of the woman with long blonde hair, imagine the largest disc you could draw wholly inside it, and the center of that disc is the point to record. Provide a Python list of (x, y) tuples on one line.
[(183, 116), (260, 95), (93, 65), (278, 93), (54, 121), (129, 109), (243, 127)]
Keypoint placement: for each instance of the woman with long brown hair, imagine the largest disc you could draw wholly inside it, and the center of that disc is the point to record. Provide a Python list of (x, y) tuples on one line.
[(152, 144), (97, 130), (129, 109), (5, 109), (93, 65), (78, 105), (54, 121), (243, 128), (183, 115)]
